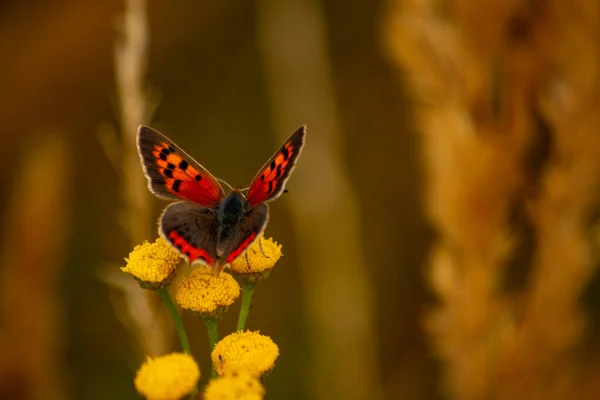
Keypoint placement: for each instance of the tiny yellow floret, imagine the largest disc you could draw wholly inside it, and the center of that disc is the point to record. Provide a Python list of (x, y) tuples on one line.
[(242, 386), (207, 293), (152, 264), (245, 351), (169, 377)]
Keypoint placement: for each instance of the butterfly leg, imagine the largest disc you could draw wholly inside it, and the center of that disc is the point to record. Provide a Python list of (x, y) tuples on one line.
[(247, 260), (261, 249)]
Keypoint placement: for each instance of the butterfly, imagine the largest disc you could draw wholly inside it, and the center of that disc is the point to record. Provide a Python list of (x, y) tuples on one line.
[(207, 226)]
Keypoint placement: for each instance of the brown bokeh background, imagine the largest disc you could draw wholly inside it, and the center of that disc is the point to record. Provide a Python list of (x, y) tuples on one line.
[(420, 227)]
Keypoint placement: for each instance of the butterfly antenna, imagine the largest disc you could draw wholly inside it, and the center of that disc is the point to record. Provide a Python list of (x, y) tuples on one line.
[(225, 183), (245, 189), (261, 249)]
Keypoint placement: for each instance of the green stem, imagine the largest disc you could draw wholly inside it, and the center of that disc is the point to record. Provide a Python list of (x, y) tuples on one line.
[(213, 337), (247, 292), (213, 334), (164, 294), (185, 345)]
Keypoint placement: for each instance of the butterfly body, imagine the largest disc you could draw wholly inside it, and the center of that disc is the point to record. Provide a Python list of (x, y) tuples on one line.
[(232, 208), (208, 226), (229, 214)]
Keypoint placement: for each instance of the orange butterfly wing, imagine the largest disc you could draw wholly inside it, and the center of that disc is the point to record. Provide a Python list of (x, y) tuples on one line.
[(270, 181), (172, 173)]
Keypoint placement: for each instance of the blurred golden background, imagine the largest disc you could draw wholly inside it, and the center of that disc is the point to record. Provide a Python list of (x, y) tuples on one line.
[(440, 231)]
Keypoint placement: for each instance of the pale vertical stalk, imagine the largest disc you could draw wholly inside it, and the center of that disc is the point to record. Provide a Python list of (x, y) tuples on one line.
[(131, 57), (338, 291), (145, 318)]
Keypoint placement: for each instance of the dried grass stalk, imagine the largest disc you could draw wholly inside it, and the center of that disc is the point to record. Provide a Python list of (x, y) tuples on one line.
[(137, 309), (484, 76), (540, 359)]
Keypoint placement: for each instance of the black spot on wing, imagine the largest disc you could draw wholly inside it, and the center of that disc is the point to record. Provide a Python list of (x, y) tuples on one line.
[(168, 173), (278, 174), (176, 185), (273, 165), (198, 177), (163, 156), (285, 153), (183, 165), (170, 166)]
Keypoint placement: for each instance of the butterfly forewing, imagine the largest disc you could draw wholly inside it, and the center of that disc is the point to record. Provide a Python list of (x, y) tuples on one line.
[(192, 230), (270, 181), (172, 173)]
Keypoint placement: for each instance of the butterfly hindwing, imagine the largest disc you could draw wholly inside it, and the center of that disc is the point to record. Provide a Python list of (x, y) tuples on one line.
[(172, 173), (270, 181), (243, 234), (192, 230)]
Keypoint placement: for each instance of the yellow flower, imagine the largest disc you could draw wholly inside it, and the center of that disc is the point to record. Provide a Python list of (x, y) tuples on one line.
[(167, 377), (207, 293), (245, 351), (153, 265), (259, 263), (242, 386)]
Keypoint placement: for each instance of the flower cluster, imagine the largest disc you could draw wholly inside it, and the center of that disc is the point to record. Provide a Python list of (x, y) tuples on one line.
[(206, 293), (153, 265), (246, 351), (256, 266), (241, 358), (168, 377), (234, 386)]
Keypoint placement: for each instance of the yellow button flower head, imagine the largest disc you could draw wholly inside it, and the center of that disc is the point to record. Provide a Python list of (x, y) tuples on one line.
[(167, 377), (207, 293), (259, 264), (153, 265), (236, 386), (245, 351)]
